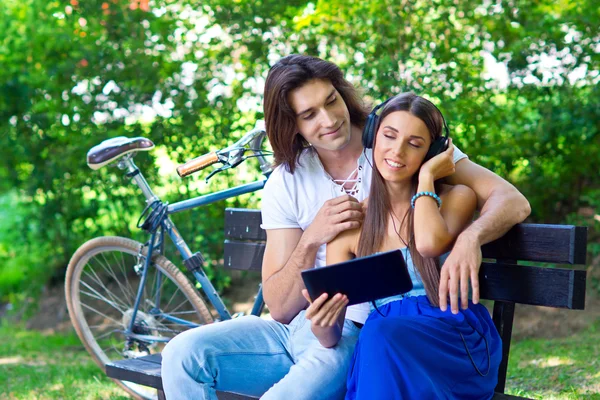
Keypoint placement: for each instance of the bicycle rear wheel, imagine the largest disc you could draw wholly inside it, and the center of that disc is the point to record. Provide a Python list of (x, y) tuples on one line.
[(101, 285)]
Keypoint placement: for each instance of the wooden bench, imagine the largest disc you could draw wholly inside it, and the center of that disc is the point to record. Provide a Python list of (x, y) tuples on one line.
[(500, 278)]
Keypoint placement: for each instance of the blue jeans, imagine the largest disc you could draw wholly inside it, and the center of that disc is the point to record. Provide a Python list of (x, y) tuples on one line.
[(257, 357)]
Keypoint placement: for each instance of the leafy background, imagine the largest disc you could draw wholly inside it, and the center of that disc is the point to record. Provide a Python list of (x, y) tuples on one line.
[(517, 81)]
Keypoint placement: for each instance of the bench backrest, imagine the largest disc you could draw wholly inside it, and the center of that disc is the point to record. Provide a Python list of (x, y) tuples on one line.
[(500, 278)]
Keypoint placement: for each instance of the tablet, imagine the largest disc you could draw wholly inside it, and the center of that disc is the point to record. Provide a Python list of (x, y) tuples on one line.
[(362, 279)]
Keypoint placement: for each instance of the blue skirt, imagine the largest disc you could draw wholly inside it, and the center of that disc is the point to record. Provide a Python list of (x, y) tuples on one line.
[(416, 351)]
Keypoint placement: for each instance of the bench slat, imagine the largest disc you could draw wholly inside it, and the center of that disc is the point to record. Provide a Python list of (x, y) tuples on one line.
[(243, 224), (146, 371), (560, 244), (502, 396), (136, 370), (243, 255), (551, 287)]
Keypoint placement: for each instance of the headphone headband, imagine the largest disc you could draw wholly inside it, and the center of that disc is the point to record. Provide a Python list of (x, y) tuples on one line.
[(369, 131)]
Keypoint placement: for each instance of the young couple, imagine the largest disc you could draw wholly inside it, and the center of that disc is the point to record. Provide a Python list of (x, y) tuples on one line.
[(315, 212)]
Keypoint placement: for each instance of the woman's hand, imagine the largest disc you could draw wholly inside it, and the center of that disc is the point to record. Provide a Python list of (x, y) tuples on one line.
[(439, 166), (324, 313)]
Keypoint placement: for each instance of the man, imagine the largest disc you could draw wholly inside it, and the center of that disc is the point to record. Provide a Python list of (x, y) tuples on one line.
[(314, 120)]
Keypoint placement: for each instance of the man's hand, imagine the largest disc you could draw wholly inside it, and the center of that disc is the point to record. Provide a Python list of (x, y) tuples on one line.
[(324, 313), (336, 215), (462, 264), (439, 166)]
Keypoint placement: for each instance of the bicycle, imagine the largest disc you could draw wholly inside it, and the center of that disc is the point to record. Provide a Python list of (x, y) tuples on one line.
[(125, 304)]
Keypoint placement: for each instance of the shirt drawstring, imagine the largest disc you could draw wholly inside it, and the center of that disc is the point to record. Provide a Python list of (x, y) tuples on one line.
[(352, 178)]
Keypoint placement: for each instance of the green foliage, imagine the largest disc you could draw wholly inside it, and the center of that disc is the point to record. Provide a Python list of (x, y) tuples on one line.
[(190, 78), (21, 254)]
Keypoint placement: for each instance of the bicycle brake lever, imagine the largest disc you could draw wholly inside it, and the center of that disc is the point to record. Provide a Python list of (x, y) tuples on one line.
[(216, 171)]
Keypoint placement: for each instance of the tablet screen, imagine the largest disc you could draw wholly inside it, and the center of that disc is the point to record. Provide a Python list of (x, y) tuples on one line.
[(363, 279)]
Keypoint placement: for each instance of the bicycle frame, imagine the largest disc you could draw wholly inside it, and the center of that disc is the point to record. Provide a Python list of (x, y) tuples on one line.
[(126, 163)]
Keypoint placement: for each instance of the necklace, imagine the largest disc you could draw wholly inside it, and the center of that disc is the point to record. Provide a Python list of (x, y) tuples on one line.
[(392, 215)]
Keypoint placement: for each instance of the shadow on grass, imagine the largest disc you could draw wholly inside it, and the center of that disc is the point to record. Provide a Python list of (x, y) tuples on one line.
[(564, 368)]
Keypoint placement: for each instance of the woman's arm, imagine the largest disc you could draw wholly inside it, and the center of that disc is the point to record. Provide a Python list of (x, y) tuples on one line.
[(437, 228), (327, 315)]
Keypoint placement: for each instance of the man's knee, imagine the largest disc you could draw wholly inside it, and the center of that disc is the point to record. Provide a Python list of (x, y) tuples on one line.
[(188, 353), (195, 352)]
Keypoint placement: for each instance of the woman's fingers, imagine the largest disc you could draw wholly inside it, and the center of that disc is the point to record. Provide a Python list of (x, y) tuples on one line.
[(335, 313), (322, 315), (315, 306)]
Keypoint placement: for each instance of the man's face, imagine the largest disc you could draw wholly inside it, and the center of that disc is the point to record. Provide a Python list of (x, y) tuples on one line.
[(401, 145), (322, 117)]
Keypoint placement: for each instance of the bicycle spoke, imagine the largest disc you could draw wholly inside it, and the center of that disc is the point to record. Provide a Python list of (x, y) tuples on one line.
[(171, 299), (102, 336), (184, 301), (128, 285), (181, 312), (124, 289), (103, 326), (113, 274), (104, 315), (99, 296), (99, 281)]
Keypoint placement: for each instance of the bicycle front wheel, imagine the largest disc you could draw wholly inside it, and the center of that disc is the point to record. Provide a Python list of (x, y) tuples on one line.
[(101, 286)]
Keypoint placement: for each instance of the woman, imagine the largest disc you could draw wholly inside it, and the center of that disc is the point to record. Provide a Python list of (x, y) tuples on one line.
[(409, 348)]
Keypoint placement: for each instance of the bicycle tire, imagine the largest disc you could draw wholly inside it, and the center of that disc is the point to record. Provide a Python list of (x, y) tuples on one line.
[(96, 288)]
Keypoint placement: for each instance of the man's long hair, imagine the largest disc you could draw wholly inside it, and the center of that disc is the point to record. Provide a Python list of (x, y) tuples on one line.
[(290, 73), (375, 224)]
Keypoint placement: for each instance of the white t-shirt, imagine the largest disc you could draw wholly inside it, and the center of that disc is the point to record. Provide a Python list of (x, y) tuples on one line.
[(293, 200)]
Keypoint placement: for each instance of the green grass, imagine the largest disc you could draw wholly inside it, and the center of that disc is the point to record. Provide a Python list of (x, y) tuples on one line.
[(38, 366), (565, 368)]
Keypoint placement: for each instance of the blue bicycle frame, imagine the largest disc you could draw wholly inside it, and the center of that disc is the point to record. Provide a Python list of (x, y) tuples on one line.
[(126, 163)]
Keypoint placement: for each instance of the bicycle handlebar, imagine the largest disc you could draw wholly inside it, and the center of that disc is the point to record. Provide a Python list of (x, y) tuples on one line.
[(198, 164), (232, 155)]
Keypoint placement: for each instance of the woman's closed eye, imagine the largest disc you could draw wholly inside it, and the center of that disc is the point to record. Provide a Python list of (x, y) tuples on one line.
[(333, 100)]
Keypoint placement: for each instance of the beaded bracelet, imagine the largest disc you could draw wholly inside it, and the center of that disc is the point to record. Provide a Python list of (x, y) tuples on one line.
[(430, 194)]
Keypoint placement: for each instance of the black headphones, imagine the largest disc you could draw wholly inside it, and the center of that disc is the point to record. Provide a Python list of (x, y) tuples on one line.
[(438, 146)]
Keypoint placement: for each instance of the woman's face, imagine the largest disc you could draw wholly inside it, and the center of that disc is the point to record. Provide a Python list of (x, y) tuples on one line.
[(401, 145)]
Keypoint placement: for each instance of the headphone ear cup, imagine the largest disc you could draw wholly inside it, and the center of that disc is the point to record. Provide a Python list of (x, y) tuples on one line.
[(437, 147), (367, 135)]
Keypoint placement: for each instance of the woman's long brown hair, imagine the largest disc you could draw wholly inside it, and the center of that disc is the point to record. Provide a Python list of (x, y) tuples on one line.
[(375, 224)]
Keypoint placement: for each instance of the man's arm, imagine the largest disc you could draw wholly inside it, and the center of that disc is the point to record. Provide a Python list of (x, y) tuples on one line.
[(285, 257), (502, 206), (290, 251)]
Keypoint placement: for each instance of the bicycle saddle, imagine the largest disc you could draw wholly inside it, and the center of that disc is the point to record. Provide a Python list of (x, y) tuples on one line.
[(111, 149)]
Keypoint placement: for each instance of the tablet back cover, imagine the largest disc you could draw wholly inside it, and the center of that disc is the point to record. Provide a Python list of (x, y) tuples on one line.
[(363, 279)]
